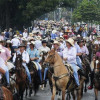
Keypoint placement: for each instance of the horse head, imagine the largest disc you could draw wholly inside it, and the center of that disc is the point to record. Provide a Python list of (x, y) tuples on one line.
[(50, 57), (97, 65), (18, 61)]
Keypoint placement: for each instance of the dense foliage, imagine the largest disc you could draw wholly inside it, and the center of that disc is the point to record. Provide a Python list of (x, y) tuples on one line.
[(87, 11), (19, 13)]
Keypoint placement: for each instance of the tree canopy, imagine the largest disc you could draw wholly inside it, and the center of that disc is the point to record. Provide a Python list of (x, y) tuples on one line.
[(21, 12), (87, 11)]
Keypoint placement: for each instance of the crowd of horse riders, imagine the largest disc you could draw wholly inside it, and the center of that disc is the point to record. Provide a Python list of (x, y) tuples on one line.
[(77, 47)]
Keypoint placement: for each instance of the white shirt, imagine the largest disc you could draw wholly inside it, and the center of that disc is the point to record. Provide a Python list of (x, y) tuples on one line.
[(97, 42), (70, 54), (38, 44), (25, 56), (25, 34), (15, 42), (45, 49)]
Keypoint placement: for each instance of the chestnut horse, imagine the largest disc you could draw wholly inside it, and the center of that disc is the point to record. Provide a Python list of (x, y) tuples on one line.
[(7, 94), (20, 76), (96, 77), (61, 76)]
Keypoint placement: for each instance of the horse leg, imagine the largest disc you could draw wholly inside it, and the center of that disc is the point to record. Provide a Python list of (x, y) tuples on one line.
[(54, 93), (73, 94), (96, 94), (63, 94), (85, 90)]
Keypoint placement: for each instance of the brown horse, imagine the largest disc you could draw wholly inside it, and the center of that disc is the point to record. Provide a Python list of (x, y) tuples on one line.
[(7, 94), (20, 76), (96, 77), (61, 76)]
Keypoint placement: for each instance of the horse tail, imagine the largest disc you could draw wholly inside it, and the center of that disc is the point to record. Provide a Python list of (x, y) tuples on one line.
[(36, 82)]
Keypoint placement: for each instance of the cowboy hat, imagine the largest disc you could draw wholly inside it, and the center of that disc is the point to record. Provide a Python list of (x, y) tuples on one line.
[(15, 36), (44, 41), (2, 33), (38, 38), (71, 41), (32, 42), (22, 45), (30, 34), (8, 41), (98, 36), (56, 42), (1, 49), (78, 36)]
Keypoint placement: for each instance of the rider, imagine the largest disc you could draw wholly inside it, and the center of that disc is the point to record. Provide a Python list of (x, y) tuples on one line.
[(78, 50), (3, 67), (92, 73), (98, 40), (44, 48), (6, 57), (69, 55), (34, 57), (25, 58)]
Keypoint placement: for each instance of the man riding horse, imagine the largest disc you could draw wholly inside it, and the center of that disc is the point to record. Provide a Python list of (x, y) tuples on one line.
[(25, 58), (4, 57), (69, 56)]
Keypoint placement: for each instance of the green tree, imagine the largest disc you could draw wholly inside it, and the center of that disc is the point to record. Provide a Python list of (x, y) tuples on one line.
[(87, 11)]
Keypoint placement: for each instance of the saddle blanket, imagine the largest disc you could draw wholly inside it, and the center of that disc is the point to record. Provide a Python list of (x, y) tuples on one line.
[(38, 66)]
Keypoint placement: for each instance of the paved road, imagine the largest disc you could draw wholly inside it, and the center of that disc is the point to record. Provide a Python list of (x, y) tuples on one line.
[(46, 95)]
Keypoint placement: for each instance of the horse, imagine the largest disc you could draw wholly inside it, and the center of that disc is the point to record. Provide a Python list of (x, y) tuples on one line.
[(34, 77), (7, 95), (61, 76), (21, 76), (96, 77)]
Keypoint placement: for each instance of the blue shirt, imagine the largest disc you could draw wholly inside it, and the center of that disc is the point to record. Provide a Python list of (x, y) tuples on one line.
[(33, 53), (53, 36)]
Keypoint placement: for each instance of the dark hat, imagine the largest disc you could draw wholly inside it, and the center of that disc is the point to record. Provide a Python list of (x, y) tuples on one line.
[(22, 45), (79, 41), (44, 41)]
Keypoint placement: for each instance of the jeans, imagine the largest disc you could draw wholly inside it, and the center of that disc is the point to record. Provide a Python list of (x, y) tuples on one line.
[(5, 68), (78, 62), (75, 73), (45, 72), (39, 71), (27, 72), (14, 47)]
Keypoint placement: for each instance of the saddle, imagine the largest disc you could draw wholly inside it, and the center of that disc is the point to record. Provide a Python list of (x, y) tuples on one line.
[(1, 93)]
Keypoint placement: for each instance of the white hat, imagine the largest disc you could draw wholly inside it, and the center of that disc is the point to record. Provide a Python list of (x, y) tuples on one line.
[(1, 49), (71, 41), (32, 42), (38, 38), (30, 34), (56, 42), (8, 41), (54, 31), (15, 36), (78, 36)]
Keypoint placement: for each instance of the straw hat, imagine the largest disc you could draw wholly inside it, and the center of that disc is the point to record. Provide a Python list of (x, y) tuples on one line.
[(30, 34), (15, 36), (38, 38), (1, 49), (1, 40), (71, 41), (78, 36), (8, 41), (54, 31), (32, 42), (56, 42), (2, 33), (98, 36)]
